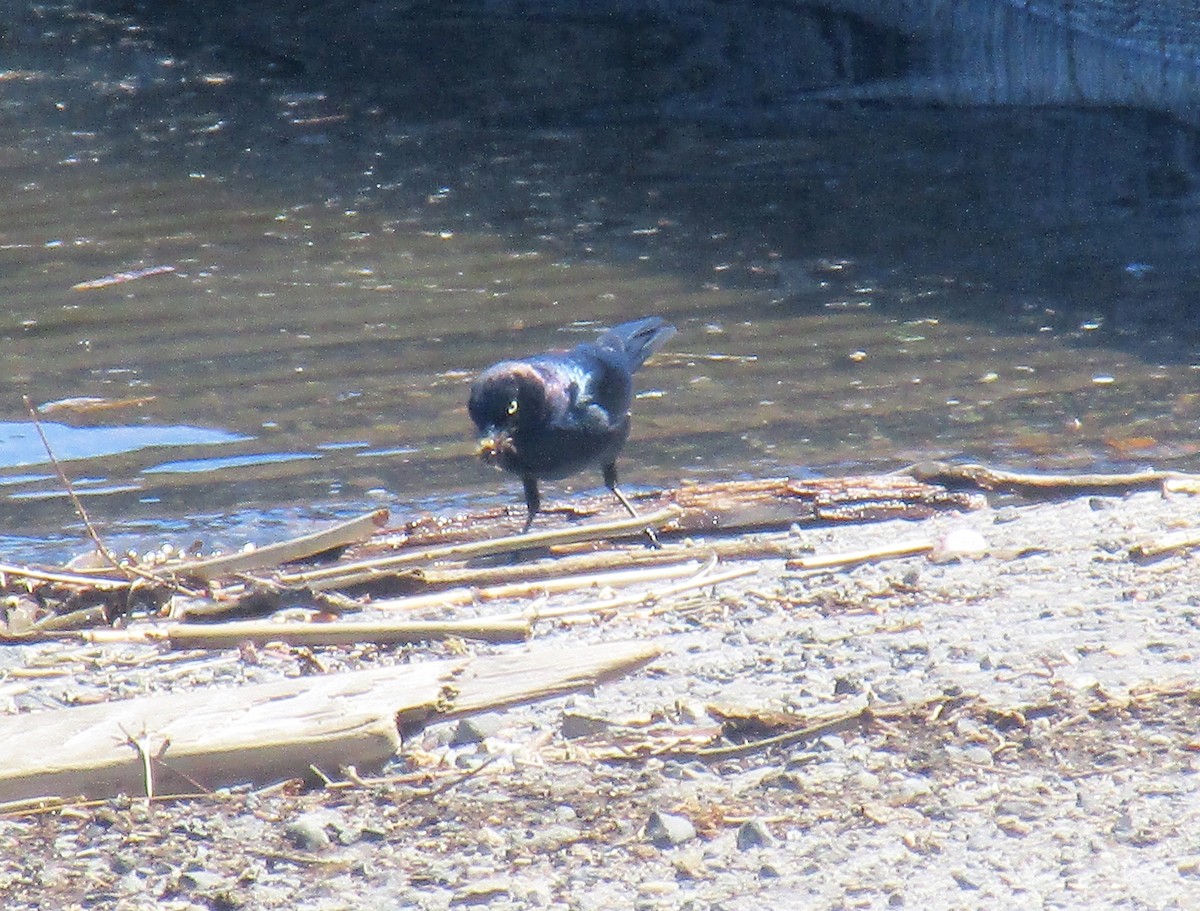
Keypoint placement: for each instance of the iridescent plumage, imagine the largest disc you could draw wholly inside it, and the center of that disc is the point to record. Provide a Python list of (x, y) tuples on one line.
[(553, 414)]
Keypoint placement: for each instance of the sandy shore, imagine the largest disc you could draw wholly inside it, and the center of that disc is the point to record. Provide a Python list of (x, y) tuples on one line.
[(1033, 745)]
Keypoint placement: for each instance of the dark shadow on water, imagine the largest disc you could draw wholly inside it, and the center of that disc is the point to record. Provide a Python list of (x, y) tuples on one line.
[(601, 136)]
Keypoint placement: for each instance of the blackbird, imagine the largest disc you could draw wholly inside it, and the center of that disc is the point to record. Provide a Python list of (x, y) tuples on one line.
[(553, 414)]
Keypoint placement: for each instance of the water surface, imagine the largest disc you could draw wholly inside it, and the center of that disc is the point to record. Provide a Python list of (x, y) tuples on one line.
[(856, 287)]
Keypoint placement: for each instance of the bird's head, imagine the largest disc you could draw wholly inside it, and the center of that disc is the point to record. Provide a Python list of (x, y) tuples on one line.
[(505, 398)]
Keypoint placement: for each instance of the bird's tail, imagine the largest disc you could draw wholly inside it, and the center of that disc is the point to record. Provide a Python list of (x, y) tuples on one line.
[(637, 340)]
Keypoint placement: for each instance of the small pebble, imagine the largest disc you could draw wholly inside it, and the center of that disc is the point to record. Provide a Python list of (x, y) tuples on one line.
[(122, 864), (373, 832), (202, 879), (536, 895), (967, 727), (575, 726), (784, 781), (866, 781), (688, 865), (476, 729), (965, 880), (959, 544), (668, 829), (481, 891), (979, 755), (1006, 514), (469, 762), (548, 839), (754, 834), (691, 712), (1013, 827), (847, 686), (307, 832), (348, 834), (658, 887), (831, 742), (686, 771), (911, 788), (1021, 809)]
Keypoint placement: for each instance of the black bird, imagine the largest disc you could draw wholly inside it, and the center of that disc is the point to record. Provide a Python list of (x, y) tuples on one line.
[(553, 414)]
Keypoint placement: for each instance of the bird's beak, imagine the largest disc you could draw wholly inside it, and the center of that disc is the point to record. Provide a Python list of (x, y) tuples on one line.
[(494, 446)]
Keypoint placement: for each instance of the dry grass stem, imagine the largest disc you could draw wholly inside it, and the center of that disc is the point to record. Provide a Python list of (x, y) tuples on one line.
[(233, 634), (855, 557), (565, 563), (532, 588), (369, 570), (62, 577), (702, 579)]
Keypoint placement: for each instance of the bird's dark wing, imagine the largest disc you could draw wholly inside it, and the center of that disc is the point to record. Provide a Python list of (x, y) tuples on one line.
[(600, 388), (587, 388), (587, 413)]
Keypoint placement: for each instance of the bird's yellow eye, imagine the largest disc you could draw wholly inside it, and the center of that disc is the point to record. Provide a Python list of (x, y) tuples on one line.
[(512, 407)]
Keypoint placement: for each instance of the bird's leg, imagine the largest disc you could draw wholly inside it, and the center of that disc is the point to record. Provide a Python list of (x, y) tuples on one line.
[(610, 481), (533, 500)]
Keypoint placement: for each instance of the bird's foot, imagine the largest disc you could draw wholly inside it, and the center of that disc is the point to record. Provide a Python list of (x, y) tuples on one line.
[(610, 478)]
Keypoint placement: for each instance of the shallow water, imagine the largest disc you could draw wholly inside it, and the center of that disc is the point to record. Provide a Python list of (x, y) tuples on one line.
[(855, 288)]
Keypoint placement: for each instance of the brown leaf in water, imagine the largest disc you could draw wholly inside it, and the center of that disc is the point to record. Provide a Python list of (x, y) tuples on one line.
[(89, 404), (1130, 445)]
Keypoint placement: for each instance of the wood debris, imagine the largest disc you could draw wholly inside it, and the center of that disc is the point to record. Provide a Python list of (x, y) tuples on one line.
[(232, 634), (1039, 484), (205, 739), (90, 404), (854, 558), (325, 541), (121, 278), (440, 564), (730, 507), (1166, 545)]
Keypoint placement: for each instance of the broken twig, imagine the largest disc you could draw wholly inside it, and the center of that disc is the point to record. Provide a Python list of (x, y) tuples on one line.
[(70, 490)]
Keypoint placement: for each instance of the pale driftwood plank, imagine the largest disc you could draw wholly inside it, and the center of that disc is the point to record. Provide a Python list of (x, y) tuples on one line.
[(352, 531), (268, 732), (1174, 542)]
